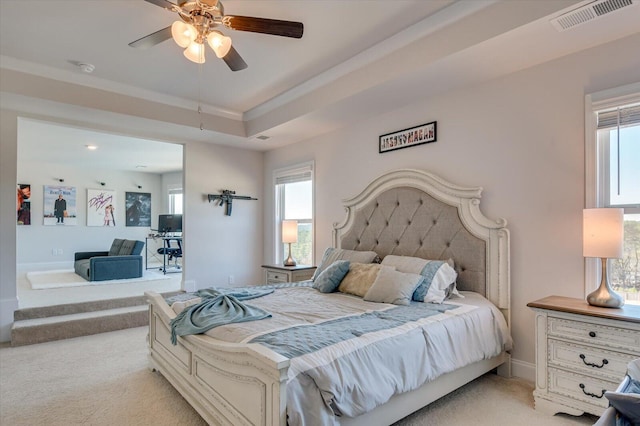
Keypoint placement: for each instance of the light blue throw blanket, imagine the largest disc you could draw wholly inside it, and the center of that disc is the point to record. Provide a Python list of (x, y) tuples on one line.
[(218, 307)]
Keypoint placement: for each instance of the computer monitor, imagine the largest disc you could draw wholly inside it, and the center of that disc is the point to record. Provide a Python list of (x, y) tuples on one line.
[(169, 223)]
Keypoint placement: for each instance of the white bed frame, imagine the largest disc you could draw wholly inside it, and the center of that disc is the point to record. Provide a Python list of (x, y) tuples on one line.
[(245, 384)]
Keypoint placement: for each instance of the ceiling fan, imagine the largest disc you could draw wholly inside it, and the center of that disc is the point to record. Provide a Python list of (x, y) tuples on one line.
[(199, 22)]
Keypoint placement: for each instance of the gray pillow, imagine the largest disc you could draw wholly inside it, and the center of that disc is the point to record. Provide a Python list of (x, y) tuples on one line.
[(394, 287), (329, 279), (332, 254), (115, 247)]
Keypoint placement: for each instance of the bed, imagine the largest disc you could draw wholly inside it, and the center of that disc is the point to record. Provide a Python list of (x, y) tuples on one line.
[(407, 213)]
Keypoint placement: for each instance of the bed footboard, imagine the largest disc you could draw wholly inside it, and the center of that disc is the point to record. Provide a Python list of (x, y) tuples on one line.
[(228, 384)]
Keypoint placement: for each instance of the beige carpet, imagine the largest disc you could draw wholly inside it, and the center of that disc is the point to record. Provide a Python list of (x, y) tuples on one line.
[(104, 380)]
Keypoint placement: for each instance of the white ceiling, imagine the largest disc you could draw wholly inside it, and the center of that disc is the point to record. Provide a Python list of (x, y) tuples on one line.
[(353, 54)]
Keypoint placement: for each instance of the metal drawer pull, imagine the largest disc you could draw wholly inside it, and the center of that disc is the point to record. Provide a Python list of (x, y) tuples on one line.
[(592, 334), (590, 364), (593, 395)]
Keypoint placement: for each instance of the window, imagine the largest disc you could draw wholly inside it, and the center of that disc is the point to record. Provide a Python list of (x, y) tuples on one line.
[(294, 201), (613, 179), (175, 200)]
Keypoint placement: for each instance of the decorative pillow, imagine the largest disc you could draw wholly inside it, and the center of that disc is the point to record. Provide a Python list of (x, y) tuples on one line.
[(360, 278), (394, 287), (329, 279), (115, 247), (439, 277), (627, 402), (332, 254)]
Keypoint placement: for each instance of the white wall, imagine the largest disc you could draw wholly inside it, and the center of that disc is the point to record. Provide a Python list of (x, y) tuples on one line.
[(219, 246), (521, 137), (36, 242), (8, 167)]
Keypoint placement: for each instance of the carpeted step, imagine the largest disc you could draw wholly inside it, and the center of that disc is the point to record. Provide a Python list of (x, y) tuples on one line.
[(76, 308), (38, 330)]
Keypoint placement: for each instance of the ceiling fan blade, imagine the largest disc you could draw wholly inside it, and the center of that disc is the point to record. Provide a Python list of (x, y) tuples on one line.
[(163, 3), (152, 39), (234, 61), (264, 26)]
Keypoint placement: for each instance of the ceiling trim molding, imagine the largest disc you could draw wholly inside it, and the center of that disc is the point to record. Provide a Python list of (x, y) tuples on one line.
[(76, 77), (430, 25)]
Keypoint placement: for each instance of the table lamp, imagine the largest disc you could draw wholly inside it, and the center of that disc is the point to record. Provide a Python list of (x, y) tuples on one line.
[(290, 235), (603, 233)]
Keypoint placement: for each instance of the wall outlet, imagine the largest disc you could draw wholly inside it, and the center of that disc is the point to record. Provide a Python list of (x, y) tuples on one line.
[(56, 252), (231, 279)]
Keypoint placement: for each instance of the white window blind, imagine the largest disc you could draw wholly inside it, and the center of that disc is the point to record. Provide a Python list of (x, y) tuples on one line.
[(619, 117), (296, 175)]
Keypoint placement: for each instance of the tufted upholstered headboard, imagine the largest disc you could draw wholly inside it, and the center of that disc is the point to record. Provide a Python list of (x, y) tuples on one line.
[(415, 213)]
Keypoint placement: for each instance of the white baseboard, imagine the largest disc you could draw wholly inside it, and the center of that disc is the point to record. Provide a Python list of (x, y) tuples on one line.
[(7, 307), (523, 369)]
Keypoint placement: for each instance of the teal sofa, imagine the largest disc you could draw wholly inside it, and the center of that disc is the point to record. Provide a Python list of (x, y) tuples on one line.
[(122, 261)]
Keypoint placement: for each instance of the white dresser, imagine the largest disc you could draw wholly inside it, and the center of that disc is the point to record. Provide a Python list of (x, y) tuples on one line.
[(581, 352), (275, 274)]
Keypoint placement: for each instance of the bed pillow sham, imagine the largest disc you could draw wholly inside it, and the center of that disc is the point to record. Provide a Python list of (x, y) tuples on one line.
[(627, 402), (394, 287), (332, 254), (439, 277), (360, 278), (329, 279)]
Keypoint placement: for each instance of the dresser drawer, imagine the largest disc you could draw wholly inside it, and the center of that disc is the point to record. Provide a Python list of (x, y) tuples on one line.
[(596, 362), (582, 388), (594, 334), (277, 277)]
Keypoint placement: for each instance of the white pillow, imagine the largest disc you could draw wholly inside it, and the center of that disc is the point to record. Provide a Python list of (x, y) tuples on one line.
[(439, 277), (392, 286)]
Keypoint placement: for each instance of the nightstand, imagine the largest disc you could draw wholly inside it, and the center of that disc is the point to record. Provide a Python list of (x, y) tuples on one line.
[(581, 352), (274, 274)]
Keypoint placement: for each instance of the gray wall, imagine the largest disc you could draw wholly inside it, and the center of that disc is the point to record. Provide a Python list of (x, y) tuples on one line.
[(521, 137)]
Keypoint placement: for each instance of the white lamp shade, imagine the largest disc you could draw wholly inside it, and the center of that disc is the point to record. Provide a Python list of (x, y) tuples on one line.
[(183, 34), (603, 233), (220, 43), (195, 53), (289, 231)]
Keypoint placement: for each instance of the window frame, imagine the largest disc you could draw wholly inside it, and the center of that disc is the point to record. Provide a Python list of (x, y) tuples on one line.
[(279, 203), (596, 194)]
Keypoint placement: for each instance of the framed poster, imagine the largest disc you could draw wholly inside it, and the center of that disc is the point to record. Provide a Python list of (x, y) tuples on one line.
[(23, 204), (138, 206), (60, 205), (406, 138), (101, 207)]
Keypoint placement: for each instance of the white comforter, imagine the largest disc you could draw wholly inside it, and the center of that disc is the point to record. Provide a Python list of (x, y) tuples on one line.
[(354, 376)]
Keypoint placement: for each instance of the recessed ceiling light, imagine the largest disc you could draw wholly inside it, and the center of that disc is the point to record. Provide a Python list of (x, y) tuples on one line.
[(263, 137), (91, 147), (140, 166)]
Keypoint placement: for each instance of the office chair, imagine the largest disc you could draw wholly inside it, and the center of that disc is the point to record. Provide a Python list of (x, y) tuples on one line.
[(173, 252)]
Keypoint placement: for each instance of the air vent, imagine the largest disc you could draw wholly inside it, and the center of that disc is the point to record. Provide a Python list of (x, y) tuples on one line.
[(588, 13)]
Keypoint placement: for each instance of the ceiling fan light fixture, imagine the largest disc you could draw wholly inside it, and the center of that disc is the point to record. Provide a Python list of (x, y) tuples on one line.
[(220, 43), (183, 33), (195, 53)]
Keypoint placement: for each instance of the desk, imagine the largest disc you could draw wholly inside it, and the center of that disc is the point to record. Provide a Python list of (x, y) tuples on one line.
[(153, 252)]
